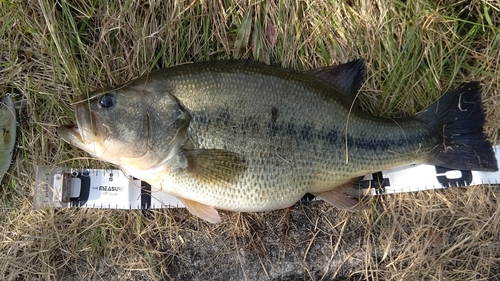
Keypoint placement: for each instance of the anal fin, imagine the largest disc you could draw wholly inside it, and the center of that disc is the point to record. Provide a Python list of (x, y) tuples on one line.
[(345, 197), (200, 210)]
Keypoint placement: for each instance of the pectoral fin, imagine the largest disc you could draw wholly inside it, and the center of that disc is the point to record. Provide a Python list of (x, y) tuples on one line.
[(214, 166), (202, 211)]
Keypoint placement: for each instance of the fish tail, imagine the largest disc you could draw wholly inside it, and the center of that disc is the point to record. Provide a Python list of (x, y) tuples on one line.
[(458, 119)]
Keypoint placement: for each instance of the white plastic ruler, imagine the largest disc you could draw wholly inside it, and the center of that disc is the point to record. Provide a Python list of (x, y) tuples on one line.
[(100, 188)]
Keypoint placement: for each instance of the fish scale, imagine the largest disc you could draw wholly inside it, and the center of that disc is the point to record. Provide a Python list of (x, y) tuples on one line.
[(244, 136), (298, 105)]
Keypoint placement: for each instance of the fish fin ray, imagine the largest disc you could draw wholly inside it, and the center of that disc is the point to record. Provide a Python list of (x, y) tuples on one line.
[(214, 166), (457, 118), (200, 210), (347, 77), (345, 197)]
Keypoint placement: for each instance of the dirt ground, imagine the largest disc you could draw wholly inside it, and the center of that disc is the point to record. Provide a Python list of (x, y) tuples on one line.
[(311, 241)]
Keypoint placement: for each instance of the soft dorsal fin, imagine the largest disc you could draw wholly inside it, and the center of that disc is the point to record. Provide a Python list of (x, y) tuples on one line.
[(347, 77)]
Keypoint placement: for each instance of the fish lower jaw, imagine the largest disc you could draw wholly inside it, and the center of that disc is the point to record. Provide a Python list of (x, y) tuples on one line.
[(73, 135)]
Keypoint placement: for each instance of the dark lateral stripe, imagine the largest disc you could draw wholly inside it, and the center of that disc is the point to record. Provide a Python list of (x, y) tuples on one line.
[(306, 133)]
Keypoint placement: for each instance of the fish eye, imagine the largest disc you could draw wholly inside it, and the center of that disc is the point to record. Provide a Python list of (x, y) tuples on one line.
[(107, 100)]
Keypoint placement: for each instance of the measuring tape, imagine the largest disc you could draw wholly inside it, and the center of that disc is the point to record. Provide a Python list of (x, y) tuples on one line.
[(57, 187), (96, 188)]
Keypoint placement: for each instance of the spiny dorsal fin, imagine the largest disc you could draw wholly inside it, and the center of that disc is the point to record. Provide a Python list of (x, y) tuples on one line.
[(214, 166), (347, 77), (200, 210)]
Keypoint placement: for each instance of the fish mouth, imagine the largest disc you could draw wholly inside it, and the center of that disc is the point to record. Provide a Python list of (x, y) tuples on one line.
[(87, 131)]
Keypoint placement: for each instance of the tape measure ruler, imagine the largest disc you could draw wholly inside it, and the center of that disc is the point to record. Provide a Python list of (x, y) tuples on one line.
[(57, 187), (96, 188)]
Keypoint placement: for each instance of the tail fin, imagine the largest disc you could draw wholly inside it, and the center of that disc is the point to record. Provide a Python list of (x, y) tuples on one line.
[(458, 117)]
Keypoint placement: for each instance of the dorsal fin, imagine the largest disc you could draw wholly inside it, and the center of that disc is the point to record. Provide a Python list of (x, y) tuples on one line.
[(347, 77)]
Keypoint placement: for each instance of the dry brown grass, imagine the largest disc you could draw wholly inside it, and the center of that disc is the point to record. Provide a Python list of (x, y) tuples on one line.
[(415, 51)]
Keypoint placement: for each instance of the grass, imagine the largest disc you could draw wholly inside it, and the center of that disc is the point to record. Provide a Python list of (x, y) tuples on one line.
[(415, 51)]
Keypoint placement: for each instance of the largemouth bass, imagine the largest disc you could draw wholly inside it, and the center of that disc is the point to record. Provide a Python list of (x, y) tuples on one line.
[(244, 136), (8, 126)]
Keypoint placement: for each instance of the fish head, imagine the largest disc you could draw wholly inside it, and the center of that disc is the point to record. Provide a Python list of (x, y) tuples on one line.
[(135, 127)]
